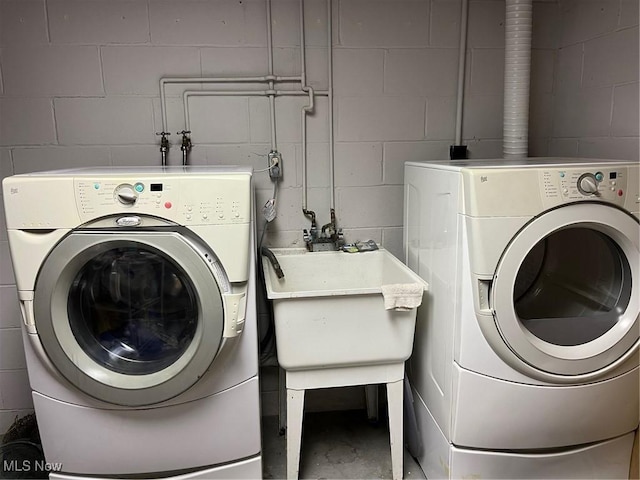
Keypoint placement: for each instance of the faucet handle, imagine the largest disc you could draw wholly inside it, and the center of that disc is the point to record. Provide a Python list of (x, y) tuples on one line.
[(186, 141), (164, 136), (164, 141)]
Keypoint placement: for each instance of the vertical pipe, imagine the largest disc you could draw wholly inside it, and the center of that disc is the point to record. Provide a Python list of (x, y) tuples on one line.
[(303, 62), (163, 107), (272, 108), (462, 61), (304, 160), (269, 42), (517, 72), (306, 109), (272, 98), (330, 101)]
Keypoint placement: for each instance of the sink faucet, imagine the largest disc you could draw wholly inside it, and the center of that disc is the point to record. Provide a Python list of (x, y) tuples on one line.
[(273, 260), (329, 238)]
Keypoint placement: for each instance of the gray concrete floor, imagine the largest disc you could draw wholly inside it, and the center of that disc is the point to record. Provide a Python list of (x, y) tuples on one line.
[(335, 445)]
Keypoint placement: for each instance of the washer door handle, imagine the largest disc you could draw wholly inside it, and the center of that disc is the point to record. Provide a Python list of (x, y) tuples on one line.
[(235, 312)]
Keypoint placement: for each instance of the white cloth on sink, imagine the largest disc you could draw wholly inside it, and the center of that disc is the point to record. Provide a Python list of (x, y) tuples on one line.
[(402, 296)]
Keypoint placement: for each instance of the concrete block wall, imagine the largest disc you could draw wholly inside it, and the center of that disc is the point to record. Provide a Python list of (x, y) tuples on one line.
[(79, 87), (595, 91)]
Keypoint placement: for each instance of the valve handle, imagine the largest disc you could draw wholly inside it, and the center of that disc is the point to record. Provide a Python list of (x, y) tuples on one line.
[(186, 141), (164, 142)]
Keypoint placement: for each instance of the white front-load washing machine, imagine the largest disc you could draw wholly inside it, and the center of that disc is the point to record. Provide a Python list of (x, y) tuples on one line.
[(136, 287), (525, 361)]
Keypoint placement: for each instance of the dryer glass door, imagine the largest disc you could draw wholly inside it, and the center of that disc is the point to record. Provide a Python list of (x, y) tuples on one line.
[(565, 293), (131, 318), (572, 286)]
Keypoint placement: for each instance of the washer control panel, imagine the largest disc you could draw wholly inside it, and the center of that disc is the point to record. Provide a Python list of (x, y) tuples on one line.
[(187, 200), (571, 184)]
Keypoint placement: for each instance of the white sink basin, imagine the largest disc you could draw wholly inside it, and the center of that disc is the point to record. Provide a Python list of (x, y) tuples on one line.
[(329, 311)]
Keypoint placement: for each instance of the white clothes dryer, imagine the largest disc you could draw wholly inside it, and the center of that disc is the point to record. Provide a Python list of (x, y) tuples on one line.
[(525, 361), (136, 287)]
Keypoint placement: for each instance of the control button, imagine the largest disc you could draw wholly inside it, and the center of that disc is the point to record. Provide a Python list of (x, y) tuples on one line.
[(189, 209), (613, 189), (158, 201), (613, 182), (237, 215), (188, 216), (561, 174), (599, 176), (96, 186), (139, 187), (167, 205), (204, 216), (620, 193), (565, 191), (221, 215)]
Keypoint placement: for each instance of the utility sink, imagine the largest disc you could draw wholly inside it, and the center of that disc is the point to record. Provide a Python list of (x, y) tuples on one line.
[(329, 309)]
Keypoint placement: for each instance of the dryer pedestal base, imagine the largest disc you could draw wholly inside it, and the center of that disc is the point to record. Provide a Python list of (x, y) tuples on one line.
[(442, 460)]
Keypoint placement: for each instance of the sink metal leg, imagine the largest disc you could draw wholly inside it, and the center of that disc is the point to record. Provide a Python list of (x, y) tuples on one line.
[(371, 398), (282, 401), (394, 402), (295, 414)]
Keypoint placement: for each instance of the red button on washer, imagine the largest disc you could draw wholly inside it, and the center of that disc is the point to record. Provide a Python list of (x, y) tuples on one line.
[(167, 205), (620, 193)]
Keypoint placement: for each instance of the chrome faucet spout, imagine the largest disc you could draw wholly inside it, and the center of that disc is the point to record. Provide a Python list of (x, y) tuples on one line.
[(186, 146), (164, 146), (273, 260)]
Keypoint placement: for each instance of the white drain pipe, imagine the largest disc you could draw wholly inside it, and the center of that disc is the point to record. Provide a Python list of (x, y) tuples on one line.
[(517, 75)]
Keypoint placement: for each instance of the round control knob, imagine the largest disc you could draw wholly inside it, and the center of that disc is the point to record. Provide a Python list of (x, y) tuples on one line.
[(587, 184), (126, 195)]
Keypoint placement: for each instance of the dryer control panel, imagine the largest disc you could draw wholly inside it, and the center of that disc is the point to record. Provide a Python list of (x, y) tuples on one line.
[(186, 200), (562, 185), (528, 189)]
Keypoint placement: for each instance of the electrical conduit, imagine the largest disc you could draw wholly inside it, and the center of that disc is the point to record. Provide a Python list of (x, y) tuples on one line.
[(272, 98)]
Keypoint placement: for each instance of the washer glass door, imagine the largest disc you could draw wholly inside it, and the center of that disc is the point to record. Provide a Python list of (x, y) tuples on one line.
[(131, 318), (565, 292), (133, 310)]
